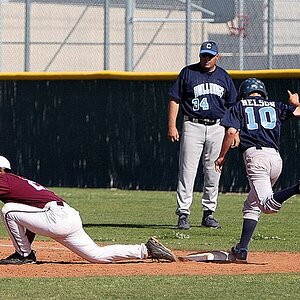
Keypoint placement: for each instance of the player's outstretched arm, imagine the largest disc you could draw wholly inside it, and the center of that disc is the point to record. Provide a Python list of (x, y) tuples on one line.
[(226, 144)]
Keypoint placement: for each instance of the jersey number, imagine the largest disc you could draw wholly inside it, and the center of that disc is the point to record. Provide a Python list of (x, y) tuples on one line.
[(200, 104), (267, 117), (35, 185)]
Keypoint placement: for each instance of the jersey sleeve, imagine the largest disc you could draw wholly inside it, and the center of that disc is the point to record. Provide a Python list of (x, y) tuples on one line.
[(177, 89), (231, 94), (232, 118)]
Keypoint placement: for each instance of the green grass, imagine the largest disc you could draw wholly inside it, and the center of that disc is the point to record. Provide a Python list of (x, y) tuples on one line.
[(155, 287), (117, 216)]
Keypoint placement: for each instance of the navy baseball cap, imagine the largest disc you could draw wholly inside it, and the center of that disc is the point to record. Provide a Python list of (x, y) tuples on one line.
[(209, 47)]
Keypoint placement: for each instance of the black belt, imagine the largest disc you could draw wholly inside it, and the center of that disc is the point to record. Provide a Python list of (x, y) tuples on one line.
[(202, 121), (261, 148), (60, 203)]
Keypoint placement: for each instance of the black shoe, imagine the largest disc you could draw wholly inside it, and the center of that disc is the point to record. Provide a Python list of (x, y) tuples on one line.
[(158, 251), (240, 254), (210, 221), (183, 222), (18, 259)]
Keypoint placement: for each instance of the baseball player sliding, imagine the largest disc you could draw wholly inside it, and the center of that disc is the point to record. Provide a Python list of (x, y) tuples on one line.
[(259, 120), (32, 209)]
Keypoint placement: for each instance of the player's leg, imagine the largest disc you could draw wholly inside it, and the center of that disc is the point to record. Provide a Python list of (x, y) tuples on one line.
[(287, 193), (210, 153), (15, 218), (80, 243), (263, 167), (68, 231), (251, 215), (191, 146), (276, 167), (63, 224), (51, 221), (262, 171), (258, 169), (251, 211)]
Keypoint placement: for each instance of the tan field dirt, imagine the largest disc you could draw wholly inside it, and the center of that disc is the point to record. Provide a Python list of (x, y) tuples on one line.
[(54, 260)]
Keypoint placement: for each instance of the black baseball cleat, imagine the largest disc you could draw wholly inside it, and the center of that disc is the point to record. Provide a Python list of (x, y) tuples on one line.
[(240, 254), (158, 251), (183, 222), (18, 259), (211, 222)]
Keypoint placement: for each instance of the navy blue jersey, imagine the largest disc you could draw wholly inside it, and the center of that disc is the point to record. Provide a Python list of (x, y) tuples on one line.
[(203, 94), (259, 121)]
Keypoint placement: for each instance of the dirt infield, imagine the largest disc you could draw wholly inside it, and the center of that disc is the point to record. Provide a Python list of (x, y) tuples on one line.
[(56, 261)]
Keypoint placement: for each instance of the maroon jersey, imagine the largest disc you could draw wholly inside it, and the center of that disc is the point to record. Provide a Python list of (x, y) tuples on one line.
[(18, 189)]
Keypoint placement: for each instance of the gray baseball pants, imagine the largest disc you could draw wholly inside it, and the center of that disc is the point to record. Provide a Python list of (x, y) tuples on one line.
[(263, 167), (198, 140)]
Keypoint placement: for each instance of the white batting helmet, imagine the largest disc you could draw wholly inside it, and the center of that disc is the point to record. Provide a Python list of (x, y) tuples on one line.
[(4, 163)]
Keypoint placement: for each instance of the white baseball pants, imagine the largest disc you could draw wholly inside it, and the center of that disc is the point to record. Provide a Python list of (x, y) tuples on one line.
[(64, 225), (263, 168)]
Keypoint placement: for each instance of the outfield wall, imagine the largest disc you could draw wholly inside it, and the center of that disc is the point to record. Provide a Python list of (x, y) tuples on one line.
[(109, 129)]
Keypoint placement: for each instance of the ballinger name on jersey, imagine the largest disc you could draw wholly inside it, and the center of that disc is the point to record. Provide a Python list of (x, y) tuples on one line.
[(208, 88)]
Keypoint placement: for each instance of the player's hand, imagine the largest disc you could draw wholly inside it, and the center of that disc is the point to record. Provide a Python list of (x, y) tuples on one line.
[(293, 98), (236, 140), (219, 164), (173, 134)]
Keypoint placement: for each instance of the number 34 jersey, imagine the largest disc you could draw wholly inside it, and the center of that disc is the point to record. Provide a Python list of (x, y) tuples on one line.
[(258, 120), (18, 189), (202, 94)]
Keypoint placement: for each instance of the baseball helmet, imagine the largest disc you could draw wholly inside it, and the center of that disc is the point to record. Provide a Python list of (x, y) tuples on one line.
[(4, 163), (252, 85)]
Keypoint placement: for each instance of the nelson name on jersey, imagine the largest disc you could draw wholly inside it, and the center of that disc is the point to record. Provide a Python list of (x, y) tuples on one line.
[(257, 102), (208, 88)]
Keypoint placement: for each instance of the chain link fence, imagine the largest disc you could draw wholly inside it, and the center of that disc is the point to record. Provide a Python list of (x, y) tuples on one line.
[(146, 35)]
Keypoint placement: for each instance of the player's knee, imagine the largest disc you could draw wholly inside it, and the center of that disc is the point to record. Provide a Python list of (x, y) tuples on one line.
[(6, 208), (268, 211), (269, 206)]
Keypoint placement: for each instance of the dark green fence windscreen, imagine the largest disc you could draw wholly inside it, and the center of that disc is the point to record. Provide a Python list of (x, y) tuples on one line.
[(112, 134)]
